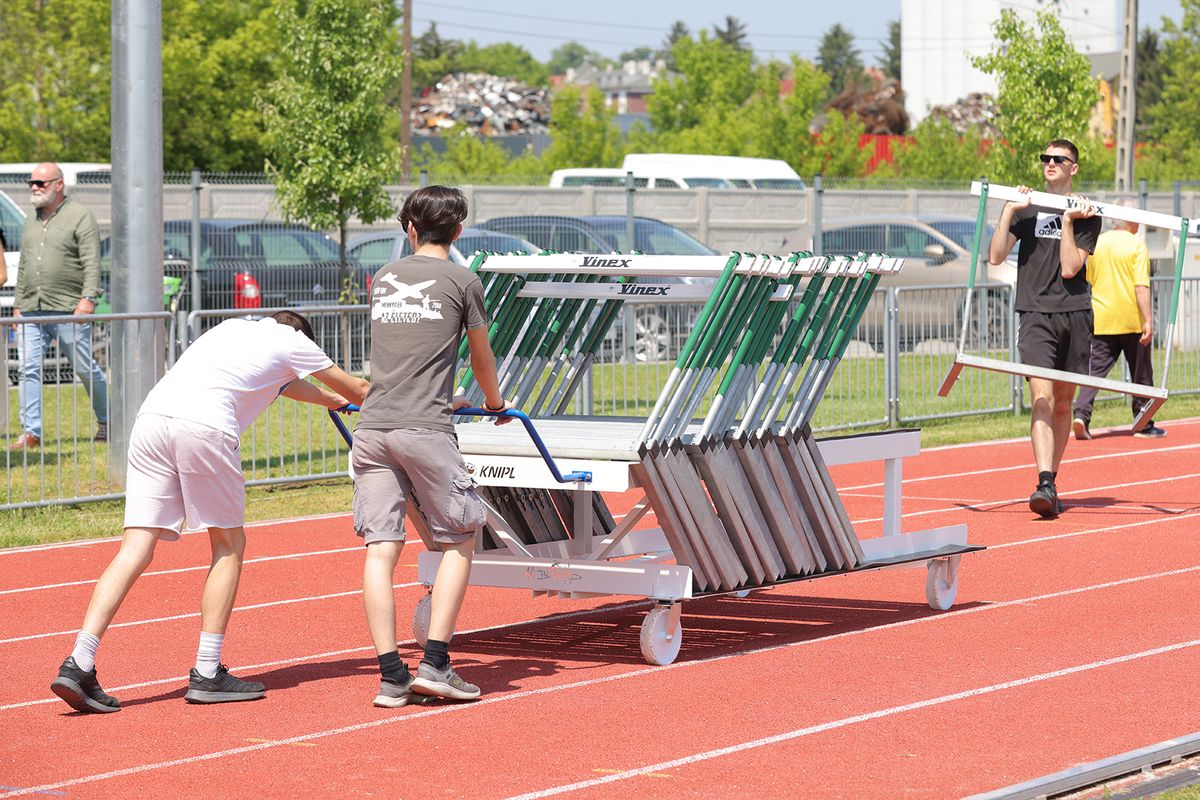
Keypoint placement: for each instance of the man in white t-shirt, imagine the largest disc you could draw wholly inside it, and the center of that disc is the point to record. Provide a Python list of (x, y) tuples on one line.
[(185, 470)]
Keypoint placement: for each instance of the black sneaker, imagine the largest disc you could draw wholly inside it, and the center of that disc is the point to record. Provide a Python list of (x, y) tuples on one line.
[(1151, 431), (101, 432), (221, 688), (1044, 501), (82, 691)]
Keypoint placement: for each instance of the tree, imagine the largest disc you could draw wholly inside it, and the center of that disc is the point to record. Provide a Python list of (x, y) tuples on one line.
[(504, 59), (733, 34), (214, 66), (571, 55), (433, 57), (55, 81), (889, 62), (325, 116), (1174, 120), (712, 74), (1045, 92), (467, 157), (935, 151), (1150, 69), (583, 133), (678, 31), (637, 54), (838, 57)]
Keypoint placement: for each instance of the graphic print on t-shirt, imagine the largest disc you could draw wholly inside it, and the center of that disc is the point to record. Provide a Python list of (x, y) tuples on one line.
[(1049, 226), (390, 303)]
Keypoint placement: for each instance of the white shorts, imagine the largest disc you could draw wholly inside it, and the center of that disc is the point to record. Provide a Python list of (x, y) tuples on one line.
[(183, 472)]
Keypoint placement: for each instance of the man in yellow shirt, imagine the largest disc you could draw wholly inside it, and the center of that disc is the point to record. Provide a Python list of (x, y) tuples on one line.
[(1119, 272)]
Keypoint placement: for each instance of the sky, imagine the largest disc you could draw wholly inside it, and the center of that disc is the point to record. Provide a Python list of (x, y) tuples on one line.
[(776, 29)]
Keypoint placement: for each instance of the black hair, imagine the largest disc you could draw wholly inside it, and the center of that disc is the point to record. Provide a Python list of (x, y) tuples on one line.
[(294, 320), (435, 212), (1066, 144)]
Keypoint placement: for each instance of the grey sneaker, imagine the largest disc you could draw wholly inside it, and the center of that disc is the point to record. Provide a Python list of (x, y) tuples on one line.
[(397, 695), (443, 683), (221, 688), (82, 691)]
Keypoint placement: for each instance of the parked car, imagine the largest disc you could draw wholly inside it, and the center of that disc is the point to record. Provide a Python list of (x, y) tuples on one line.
[(379, 247), (658, 329), (600, 234), (252, 264), (937, 252)]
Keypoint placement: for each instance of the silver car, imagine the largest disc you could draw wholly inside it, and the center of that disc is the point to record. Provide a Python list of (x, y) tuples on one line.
[(937, 252), (381, 247)]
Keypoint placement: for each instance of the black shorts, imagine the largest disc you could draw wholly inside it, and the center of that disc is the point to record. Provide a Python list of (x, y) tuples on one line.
[(1061, 340)]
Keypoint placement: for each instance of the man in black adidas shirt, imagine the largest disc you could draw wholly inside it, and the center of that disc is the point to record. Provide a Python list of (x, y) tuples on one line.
[(1055, 306)]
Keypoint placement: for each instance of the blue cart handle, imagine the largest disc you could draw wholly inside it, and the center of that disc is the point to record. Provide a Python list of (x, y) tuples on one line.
[(570, 477)]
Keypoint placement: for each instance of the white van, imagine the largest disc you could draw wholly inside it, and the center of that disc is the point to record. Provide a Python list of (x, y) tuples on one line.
[(594, 176), (685, 171)]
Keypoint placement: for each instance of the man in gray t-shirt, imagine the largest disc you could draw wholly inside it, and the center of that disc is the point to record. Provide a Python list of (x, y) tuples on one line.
[(404, 444)]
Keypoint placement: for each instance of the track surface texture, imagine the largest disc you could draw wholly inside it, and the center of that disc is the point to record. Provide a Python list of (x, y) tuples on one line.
[(1071, 640)]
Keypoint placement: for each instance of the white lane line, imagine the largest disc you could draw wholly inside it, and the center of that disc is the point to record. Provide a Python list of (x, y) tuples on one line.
[(179, 679), (1025, 498), (1157, 451), (289, 601), (36, 548), (199, 568), (504, 698), (1072, 534), (766, 741)]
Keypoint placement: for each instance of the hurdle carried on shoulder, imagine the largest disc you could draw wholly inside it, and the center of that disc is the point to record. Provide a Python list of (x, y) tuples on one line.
[(1156, 395)]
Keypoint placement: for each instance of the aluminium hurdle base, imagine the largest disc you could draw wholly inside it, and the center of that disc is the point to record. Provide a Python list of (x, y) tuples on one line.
[(637, 563)]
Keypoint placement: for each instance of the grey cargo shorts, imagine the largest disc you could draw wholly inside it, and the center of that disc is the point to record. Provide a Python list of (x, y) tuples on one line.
[(390, 466)]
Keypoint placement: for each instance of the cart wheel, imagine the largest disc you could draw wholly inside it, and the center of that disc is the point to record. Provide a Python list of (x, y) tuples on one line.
[(742, 593), (662, 634), (421, 619), (941, 583)]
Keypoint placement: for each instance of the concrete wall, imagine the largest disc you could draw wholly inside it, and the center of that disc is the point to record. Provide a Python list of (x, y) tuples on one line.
[(772, 222)]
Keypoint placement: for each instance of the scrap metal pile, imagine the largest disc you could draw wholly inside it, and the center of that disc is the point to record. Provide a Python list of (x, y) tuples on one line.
[(488, 105), (976, 112)]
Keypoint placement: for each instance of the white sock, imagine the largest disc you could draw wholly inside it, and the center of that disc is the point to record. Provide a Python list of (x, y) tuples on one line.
[(84, 653), (208, 655)]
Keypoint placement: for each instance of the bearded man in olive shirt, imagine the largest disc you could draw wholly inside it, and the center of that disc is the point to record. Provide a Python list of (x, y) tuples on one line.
[(58, 273)]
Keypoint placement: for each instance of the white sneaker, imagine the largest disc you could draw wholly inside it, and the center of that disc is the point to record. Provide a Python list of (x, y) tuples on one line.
[(1081, 429)]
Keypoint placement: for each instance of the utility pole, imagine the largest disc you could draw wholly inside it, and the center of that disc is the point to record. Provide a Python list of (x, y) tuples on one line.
[(406, 94), (1127, 100)]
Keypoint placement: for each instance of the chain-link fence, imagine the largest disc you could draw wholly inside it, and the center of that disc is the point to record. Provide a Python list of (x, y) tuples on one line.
[(228, 251)]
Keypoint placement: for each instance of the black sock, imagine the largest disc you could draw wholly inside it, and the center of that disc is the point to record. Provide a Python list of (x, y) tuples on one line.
[(1045, 477), (437, 654), (393, 669)]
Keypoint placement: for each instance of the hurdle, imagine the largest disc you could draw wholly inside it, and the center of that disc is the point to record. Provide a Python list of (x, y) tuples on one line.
[(1156, 395), (740, 489)]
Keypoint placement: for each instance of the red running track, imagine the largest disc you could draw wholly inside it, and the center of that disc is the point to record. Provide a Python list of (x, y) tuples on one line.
[(1072, 640)]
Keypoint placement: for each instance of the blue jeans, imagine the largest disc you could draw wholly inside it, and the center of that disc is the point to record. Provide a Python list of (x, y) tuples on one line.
[(75, 341)]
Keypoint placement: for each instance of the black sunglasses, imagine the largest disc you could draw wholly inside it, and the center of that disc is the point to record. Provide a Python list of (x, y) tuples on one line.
[(1046, 159), (42, 184)]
